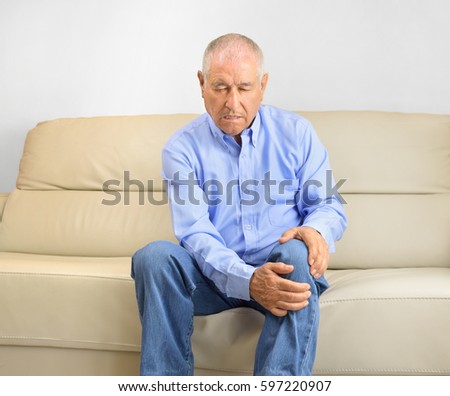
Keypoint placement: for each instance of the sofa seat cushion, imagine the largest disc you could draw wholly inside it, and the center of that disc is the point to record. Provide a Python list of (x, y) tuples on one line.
[(68, 302), (385, 321), (380, 321)]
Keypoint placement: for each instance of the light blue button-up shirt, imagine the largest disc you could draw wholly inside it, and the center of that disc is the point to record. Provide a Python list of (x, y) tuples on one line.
[(231, 203)]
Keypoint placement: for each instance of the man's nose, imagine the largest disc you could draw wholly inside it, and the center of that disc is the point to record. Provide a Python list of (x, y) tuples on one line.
[(233, 99)]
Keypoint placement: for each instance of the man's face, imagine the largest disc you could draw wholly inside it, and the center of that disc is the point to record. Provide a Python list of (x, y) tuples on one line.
[(233, 92)]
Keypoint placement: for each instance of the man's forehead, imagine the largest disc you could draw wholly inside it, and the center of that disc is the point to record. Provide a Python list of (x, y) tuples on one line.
[(242, 73), (230, 78)]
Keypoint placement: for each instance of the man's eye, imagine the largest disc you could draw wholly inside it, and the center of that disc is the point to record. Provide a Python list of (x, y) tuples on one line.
[(245, 87)]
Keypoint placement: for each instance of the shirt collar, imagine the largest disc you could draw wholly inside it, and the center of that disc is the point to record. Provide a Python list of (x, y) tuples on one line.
[(253, 131), (255, 128)]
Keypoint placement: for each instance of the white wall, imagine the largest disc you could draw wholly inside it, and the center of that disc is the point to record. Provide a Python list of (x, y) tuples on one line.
[(67, 58)]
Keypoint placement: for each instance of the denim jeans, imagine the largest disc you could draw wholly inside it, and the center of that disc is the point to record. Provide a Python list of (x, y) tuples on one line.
[(171, 290)]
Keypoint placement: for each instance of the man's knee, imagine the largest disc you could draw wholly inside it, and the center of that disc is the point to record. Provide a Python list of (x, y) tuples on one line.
[(294, 252), (151, 259)]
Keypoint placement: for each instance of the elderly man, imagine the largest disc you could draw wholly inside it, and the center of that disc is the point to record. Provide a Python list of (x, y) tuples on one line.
[(246, 185)]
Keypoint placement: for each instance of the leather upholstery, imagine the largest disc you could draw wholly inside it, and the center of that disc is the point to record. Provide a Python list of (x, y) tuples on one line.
[(67, 299)]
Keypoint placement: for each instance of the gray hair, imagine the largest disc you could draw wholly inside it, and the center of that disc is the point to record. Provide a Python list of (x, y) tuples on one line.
[(231, 46)]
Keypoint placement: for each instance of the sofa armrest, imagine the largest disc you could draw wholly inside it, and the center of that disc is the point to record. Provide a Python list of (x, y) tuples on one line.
[(3, 198)]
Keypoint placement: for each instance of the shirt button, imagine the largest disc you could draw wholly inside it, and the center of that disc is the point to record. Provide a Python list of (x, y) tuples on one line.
[(248, 227), (243, 156)]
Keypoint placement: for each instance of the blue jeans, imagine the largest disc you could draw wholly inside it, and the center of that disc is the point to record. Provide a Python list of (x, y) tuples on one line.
[(171, 290)]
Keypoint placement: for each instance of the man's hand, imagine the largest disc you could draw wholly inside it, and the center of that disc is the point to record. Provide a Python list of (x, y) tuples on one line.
[(277, 294), (319, 254)]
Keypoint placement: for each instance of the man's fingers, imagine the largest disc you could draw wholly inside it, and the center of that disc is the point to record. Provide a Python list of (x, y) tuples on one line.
[(278, 312), (286, 284), (312, 254), (292, 306), (276, 293), (293, 298), (318, 254), (283, 308), (288, 235), (289, 297), (280, 268), (320, 263)]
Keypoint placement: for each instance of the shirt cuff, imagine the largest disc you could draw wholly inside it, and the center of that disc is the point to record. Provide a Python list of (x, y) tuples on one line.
[(238, 283)]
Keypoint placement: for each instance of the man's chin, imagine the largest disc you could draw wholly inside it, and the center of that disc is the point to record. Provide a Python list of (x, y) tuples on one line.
[(232, 130)]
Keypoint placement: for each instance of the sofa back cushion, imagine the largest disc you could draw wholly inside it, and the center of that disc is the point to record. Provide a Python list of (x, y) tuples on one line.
[(92, 186), (397, 186), (83, 153), (83, 187)]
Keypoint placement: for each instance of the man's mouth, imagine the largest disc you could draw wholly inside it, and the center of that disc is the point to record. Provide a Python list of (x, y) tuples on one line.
[(231, 117)]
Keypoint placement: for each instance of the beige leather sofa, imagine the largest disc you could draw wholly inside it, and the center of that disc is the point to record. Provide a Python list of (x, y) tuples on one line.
[(67, 303)]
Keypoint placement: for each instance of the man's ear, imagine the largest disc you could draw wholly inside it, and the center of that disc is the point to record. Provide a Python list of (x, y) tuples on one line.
[(264, 81), (201, 80)]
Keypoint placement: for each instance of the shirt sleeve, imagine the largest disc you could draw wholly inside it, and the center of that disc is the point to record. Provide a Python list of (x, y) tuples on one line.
[(195, 231), (319, 201)]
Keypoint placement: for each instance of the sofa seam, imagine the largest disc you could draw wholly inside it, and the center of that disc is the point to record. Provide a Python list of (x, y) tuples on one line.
[(30, 338), (392, 371), (390, 299), (31, 275), (231, 370), (338, 370)]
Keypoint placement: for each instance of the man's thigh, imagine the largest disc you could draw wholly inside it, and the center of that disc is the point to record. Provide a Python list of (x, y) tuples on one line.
[(206, 297)]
